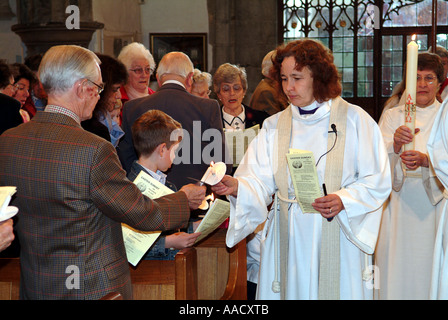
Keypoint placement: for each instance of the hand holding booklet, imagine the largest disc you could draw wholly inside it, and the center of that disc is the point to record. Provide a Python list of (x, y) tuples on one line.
[(304, 177), (137, 242), (218, 212)]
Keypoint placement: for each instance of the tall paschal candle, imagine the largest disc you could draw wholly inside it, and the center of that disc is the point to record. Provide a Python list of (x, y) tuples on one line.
[(411, 88)]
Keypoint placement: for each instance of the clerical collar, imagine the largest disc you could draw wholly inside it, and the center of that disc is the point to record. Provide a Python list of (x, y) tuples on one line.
[(232, 122), (65, 111), (310, 109), (175, 82), (303, 111)]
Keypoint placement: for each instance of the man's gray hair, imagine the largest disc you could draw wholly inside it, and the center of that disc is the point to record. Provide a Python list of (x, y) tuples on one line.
[(63, 65), (177, 63)]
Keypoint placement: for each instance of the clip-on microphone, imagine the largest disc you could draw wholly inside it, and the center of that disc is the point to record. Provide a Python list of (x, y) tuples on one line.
[(333, 127)]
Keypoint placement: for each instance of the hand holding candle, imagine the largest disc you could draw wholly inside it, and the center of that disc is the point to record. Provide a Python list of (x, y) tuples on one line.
[(411, 88), (214, 173)]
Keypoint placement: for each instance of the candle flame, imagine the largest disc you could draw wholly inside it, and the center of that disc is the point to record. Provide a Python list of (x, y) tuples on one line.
[(413, 37), (212, 164), (212, 197)]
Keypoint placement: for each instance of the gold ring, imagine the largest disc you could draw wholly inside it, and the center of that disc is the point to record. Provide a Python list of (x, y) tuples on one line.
[(330, 210), (415, 163)]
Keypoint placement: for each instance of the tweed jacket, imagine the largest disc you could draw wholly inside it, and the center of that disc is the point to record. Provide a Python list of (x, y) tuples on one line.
[(195, 114), (73, 195)]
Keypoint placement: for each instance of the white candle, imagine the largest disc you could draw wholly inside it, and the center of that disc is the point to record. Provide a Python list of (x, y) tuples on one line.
[(411, 88)]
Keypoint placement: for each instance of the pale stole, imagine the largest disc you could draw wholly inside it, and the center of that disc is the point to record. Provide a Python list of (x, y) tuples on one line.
[(329, 269)]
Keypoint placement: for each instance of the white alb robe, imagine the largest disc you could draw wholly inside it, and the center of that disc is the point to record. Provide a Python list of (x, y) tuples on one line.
[(408, 227), (366, 185), (438, 152)]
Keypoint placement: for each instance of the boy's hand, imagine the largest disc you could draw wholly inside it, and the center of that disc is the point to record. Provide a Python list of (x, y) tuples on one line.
[(181, 240), (195, 195)]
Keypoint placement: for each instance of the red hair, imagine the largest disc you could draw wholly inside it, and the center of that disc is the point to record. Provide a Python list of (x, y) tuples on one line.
[(318, 58)]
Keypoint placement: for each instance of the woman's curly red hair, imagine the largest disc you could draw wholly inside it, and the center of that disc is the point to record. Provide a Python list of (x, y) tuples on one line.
[(318, 58)]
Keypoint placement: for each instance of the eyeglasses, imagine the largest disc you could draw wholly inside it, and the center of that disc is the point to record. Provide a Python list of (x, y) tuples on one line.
[(13, 87), (20, 87), (427, 79), (140, 70), (226, 88), (100, 88), (202, 93)]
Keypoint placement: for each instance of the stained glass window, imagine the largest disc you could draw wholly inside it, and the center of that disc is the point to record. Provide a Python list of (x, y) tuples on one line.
[(351, 29), (337, 25)]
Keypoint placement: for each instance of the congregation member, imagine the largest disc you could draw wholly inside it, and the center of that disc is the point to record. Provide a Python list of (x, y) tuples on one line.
[(10, 107), (409, 223), (114, 76), (230, 85), (72, 192), (202, 81), (140, 65), (320, 255), (38, 97), (266, 97), (24, 80), (203, 139), (154, 136)]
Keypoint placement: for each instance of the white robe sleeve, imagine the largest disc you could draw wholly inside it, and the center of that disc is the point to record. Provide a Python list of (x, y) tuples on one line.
[(364, 192), (431, 183), (437, 147), (256, 186), (438, 144)]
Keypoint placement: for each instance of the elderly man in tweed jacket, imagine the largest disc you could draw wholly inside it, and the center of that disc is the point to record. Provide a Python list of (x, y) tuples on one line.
[(72, 193)]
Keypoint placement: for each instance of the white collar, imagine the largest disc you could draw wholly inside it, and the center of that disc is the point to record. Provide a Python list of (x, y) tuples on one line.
[(175, 82), (312, 106), (234, 122), (159, 175), (323, 109)]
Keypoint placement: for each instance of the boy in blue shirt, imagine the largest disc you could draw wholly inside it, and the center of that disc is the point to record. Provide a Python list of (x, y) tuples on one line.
[(156, 138)]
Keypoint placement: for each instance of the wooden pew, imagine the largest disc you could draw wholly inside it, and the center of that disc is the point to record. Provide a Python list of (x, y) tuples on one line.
[(9, 278), (166, 280), (208, 271), (223, 271)]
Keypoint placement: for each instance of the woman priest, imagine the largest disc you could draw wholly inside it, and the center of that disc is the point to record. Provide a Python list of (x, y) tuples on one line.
[(317, 246)]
